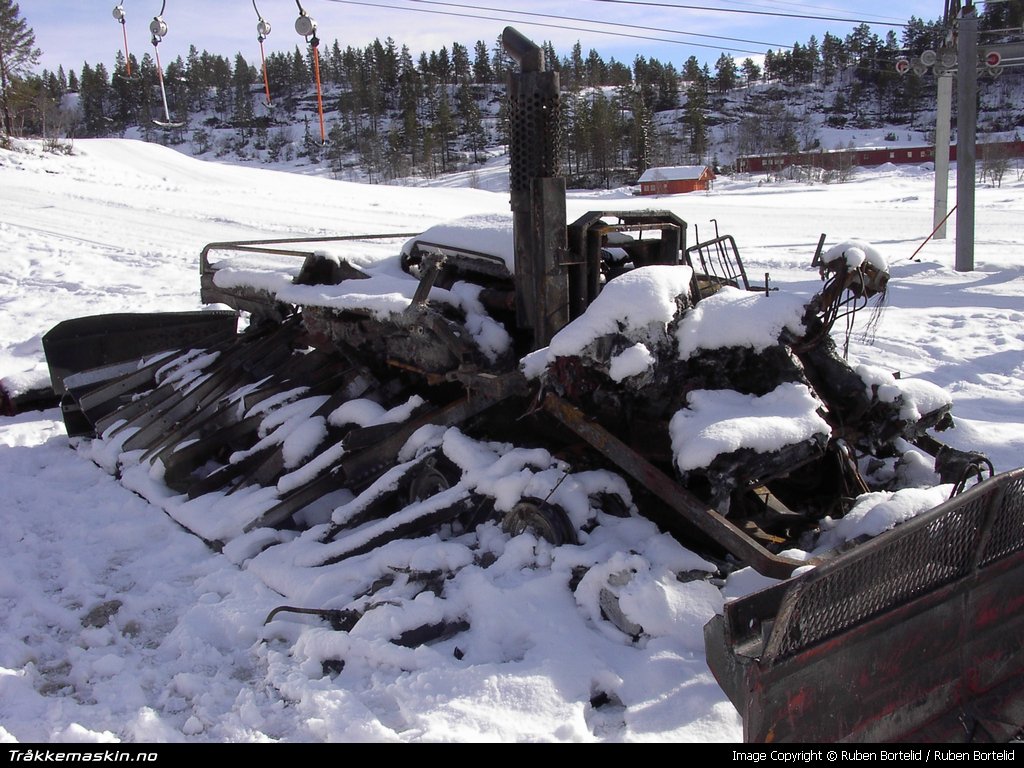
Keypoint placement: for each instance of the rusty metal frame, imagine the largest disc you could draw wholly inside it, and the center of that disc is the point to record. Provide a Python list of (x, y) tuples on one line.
[(253, 300), (588, 235), (717, 264), (691, 511)]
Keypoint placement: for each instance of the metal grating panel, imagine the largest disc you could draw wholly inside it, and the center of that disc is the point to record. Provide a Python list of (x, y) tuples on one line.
[(906, 566), (1008, 528)]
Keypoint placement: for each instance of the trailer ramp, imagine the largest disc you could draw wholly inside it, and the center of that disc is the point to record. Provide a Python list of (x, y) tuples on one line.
[(917, 635)]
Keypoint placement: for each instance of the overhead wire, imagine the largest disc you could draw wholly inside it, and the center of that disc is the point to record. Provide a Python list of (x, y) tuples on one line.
[(779, 14), (617, 24), (810, 6), (505, 19)]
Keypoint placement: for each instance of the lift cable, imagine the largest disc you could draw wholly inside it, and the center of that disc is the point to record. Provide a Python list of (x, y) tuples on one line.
[(779, 14), (810, 6), (507, 20), (561, 17)]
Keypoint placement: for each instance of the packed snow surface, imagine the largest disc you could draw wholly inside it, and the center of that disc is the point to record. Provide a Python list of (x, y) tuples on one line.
[(723, 421), (118, 625)]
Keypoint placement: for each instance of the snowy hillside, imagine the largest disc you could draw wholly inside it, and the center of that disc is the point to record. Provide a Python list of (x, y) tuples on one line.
[(118, 625)]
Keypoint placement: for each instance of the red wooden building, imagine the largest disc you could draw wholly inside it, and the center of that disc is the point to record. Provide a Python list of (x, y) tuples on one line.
[(671, 180), (835, 159)]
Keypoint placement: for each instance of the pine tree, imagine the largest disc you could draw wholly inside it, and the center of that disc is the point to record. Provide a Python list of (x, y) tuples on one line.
[(501, 62), (385, 61), (93, 99), (196, 86), (444, 127), (725, 73), (596, 70), (668, 88), (126, 93), (18, 55), (576, 68), (696, 120), (409, 92), (470, 124), (460, 62), (833, 57), (605, 136), (243, 115), (482, 71), (442, 66), (1009, 14), (310, 146), (691, 70), (641, 133), (751, 71)]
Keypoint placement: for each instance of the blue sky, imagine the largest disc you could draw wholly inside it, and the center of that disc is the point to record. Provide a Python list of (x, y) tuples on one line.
[(70, 32)]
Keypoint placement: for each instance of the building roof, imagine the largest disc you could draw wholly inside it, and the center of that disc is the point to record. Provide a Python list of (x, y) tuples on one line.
[(674, 173)]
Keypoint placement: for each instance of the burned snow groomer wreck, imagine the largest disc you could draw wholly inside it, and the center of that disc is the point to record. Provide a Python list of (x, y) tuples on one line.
[(342, 417)]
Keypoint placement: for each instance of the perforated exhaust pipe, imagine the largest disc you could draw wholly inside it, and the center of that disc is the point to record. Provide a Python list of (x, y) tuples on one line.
[(537, 190)]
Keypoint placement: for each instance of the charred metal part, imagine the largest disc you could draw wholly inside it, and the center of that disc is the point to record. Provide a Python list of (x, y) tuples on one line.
[(897, 639), (429, 520), (612, 612), (261, 303), (433, 475), (964, 466), (35, 399), (459, 262), (745, 468), (431, 633), (91, 396), (341, 620), (228, 427), (596, 245), (541, 518), (720, 265), (317, 269), (857, 415), (170, 404), (692, 515), (537, 191), (84, 343), (421, 338), (846, 291)]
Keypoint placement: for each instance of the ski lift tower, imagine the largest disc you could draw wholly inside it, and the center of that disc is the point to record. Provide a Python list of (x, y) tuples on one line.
[(966, 129), (959, 54)]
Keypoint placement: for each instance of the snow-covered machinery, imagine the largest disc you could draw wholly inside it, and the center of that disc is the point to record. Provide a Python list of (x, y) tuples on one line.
[(495, 362)]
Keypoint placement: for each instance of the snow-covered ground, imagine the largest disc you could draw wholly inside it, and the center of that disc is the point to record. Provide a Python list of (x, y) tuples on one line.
[(118, 625)]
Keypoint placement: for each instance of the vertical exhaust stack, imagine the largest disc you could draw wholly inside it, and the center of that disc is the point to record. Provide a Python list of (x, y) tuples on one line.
[(537, 190)]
